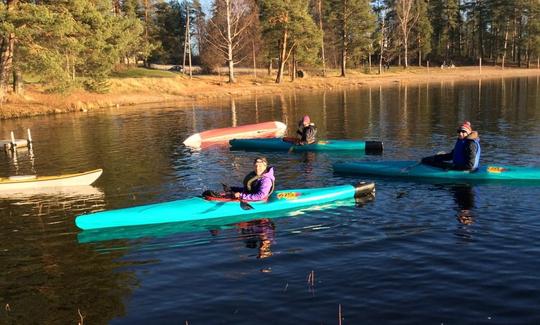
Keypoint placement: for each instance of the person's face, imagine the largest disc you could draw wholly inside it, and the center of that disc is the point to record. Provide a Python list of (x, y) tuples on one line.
[(260, 167), (305, 123), (462, 134)]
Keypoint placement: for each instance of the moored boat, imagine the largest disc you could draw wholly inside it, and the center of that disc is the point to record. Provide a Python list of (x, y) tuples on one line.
[(198, 208), (266, 129), (23, 182), (322, 145), (416, 170)]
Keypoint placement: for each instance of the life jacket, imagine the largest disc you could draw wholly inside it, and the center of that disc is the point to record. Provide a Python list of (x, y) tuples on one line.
[(459, 157), (252, 177)]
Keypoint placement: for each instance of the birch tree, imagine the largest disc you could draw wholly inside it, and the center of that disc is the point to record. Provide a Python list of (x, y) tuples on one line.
[(407, 16), (228, 29)]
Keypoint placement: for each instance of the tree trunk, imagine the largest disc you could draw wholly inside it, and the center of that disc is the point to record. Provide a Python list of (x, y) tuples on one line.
[(344, 43), (419, 53), (322, 40), (146, 24), (254, 59), (405, 54), (270, 67), (7, 45), (230, 44), (282, 56), (505, 45), (293, 74), (17, 81)]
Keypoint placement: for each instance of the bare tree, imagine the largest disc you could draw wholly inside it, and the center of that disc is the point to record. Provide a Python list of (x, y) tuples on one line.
[(228, 30), (407, 18)]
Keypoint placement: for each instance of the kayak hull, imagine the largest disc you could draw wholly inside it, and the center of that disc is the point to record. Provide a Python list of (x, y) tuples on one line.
[(32, 181), (209, 137), (412, 169), (200, 209), (323, 145)]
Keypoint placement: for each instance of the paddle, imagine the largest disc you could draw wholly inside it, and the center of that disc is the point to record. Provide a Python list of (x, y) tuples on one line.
[(246, 206)]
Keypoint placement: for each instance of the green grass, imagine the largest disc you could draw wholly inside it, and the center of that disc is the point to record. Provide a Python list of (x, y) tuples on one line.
[(143, 73)]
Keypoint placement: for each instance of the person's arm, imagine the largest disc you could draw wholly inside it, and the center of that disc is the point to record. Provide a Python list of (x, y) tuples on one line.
[(262, 192), (446, 156), (236, 189), (470, 155)]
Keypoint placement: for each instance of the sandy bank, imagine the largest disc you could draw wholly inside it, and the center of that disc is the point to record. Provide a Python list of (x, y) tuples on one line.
[(180, 89)]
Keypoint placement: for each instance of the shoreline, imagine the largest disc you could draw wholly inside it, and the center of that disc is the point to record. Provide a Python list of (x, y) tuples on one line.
[(181, 90)]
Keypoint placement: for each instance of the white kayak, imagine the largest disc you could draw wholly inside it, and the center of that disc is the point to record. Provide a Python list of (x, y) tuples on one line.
[(32, 181)]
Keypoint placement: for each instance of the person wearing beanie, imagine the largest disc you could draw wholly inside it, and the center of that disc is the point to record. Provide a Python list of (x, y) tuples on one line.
[(307, 132), (464, 156)]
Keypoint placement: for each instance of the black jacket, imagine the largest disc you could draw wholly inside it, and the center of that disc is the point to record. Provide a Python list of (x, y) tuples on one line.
[(306, 134)]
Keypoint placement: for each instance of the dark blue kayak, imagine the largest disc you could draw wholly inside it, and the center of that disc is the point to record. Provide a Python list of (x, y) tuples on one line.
[(322, 145)]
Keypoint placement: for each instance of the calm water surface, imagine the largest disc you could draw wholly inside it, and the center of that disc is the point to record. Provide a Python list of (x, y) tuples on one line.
[(419, 253)]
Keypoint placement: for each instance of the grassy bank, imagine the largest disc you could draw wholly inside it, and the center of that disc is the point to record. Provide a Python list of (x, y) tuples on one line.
[(143, 86)]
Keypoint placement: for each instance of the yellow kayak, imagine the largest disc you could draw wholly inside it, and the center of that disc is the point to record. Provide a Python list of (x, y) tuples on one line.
[(32, 181)]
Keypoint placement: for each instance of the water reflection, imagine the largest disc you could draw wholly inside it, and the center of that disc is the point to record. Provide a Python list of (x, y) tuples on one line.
[(258, 234), (464, 197), (140, 150)]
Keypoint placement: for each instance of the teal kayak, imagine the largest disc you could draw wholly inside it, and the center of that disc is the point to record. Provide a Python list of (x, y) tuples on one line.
[(209, 225), (413, 169), (322, 145), (199, 208)]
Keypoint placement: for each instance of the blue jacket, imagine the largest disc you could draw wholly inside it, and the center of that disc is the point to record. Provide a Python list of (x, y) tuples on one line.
[(466, 153)]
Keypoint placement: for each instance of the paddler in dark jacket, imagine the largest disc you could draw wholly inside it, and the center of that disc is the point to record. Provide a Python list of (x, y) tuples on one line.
[(464, 156), (307, 132), (258, 185)]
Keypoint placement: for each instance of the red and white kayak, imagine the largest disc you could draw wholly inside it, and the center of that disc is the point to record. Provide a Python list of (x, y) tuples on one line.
[(259, 130)]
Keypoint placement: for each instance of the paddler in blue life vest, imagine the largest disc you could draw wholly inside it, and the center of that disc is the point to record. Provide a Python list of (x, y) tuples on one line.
[(305, 134), (258, 184), (464, 156)]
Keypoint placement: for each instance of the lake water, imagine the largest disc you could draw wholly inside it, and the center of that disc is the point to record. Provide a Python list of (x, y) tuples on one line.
[(419, 253)]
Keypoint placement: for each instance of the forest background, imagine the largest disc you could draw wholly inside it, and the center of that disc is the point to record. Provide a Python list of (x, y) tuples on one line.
[(69, 46)]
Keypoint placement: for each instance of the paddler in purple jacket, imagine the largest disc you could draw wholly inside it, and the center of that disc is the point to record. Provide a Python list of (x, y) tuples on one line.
[(466, 153), (258, 184)]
